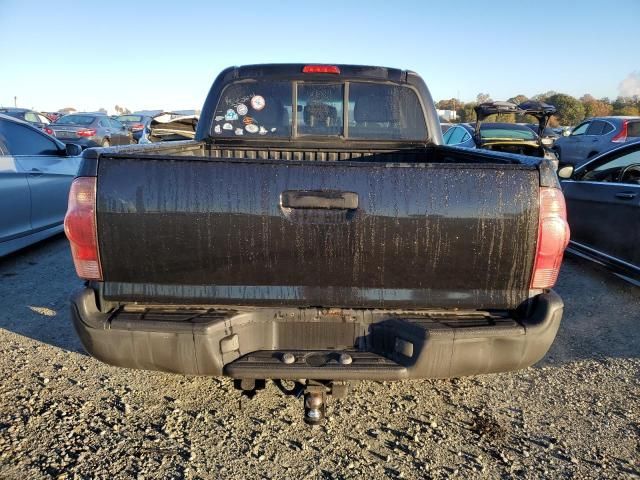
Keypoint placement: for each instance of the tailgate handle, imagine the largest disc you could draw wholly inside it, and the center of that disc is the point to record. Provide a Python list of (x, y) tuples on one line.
[(319, 199), (626, 195)]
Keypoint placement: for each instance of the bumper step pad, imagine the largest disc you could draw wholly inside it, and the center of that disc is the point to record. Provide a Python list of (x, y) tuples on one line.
[(319, 365)]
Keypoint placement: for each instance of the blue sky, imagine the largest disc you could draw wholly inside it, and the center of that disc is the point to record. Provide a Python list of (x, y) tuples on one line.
[(164, 54)]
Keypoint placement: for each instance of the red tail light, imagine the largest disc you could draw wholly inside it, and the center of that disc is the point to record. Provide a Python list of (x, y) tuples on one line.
[(320, 69), (80, 228), (622, 136), (48, 130), (86, 132), (553, 238), (136, 127)]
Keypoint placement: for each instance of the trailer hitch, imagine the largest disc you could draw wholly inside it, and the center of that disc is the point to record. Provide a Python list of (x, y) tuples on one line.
[(315, 394)]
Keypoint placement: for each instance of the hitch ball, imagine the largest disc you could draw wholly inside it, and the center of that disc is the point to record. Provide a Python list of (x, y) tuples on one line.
[(314, 408), (288, 358)]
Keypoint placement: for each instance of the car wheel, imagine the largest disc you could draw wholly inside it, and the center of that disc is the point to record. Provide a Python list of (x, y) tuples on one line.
[(105, 143)]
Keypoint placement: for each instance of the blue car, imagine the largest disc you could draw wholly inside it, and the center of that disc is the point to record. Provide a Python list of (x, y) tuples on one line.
[(594, 136)]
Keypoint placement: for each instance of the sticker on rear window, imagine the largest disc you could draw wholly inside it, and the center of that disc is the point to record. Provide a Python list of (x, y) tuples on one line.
[(231, 115), (258, 103), (242, 109), (251, 128)]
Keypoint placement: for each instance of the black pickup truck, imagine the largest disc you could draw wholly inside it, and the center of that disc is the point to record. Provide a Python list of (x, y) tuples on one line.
[(316, 232)]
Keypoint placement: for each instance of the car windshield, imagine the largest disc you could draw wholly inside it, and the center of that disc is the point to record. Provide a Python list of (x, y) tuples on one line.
[(83, 120), (267, 107), (507, 132), (129, 118)]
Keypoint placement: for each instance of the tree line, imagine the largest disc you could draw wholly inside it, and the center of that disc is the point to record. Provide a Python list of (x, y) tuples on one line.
[(570, 110)]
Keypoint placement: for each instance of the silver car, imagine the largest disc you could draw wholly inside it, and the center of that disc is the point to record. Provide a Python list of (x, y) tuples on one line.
[(36, 171)]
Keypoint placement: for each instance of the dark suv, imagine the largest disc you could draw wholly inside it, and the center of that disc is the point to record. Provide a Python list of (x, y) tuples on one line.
[(596, 135)]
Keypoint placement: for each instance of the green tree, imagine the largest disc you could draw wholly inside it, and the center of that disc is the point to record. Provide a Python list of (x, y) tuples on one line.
[(503, 118), (483, 97), (594, 107), (544, 97), (626, 106), (468, 114), (597, 108), (451, 104), (569, 109), (518, 99), (629, 110)]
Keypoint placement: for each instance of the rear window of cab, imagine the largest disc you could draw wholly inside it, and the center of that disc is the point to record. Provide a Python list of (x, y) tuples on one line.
[(352, 110)]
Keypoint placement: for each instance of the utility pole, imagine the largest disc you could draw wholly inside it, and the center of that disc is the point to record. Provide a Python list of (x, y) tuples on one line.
[(15, 101)]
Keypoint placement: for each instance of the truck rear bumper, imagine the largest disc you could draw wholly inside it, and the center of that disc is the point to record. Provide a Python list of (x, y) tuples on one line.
[(252, 342)]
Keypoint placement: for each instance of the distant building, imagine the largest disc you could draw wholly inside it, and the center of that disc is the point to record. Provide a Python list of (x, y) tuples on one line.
[(449, 115)]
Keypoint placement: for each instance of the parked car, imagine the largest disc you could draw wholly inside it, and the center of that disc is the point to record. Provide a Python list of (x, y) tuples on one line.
[(169, 126), (502, 136), (52, 116), (135, 123), (603, 207), (444, 126), (34, 118), (596, 135), (91, 130), (310, 237), (36, 171), (549, 135)]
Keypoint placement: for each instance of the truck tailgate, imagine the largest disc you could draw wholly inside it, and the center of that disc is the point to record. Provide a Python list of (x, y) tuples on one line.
[(330, 234)]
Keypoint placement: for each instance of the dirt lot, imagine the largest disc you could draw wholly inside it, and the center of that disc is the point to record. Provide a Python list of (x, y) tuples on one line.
[(66, 415)]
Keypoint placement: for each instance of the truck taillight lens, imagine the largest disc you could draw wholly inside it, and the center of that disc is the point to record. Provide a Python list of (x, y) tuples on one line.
[(553, 238), (80, 228)]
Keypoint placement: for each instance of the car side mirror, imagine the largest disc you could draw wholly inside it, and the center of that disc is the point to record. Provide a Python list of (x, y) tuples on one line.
[(73, 150), (565, 171)]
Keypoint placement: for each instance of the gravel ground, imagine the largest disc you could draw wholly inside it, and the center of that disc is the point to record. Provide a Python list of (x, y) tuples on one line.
[(66, 415)]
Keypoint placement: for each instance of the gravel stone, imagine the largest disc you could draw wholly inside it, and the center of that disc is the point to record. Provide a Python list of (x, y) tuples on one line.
[(574, 415)]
